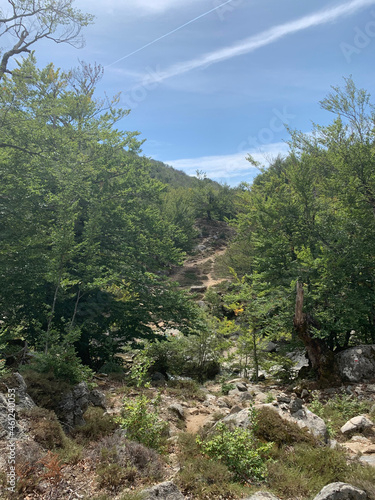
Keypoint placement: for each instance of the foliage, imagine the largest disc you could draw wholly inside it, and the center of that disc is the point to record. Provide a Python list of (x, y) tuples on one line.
[(143, 424), (272, 428), (83, 231), (338, 410), (201, 477), (226, 387), (45, 428), (98, 425), (309, 218), (239, 450), (302, 470)]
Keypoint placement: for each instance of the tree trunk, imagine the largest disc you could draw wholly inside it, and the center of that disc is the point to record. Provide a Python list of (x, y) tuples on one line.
[(321, 358)]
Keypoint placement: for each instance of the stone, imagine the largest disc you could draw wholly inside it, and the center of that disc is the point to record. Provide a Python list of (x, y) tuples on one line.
[(340, 491), (97, 398), (283, 398), (198, 289), (262, 495), (163, 491), (223, 403), (357, 364), (301, 363), (270, 347), (368, 460), (245, 396), (178, 410), (158, 377), (73, 405), (241, 387), (240, 419), (356, 424), (304, 393), (295, 405), (235, 409)]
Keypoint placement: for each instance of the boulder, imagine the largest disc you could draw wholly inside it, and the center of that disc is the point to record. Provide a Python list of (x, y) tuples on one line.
[(340, 491), (74, 404), (356, 424), (241, 387), (178, 410), (262, 495), (357, 363), (239, 419), (163, 491), (198, 289)]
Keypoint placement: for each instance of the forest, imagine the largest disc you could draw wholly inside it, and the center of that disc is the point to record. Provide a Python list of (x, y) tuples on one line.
[(92, 234)]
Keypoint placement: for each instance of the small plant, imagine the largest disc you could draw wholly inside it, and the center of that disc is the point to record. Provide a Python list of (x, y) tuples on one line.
[(142, 424), (270, 397), (52, 467), (45, 427), (226, 387)]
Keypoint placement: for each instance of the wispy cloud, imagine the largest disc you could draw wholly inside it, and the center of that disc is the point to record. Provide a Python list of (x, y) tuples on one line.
[(227, 167), (267, 37)]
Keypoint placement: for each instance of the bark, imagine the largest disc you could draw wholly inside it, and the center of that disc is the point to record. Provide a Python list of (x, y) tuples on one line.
[(321, 358)]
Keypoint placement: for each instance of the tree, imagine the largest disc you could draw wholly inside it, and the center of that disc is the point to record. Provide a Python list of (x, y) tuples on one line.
[(28, 21), (84, 234), (306, 225)]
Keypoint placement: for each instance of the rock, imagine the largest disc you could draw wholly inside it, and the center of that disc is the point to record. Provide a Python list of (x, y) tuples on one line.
[(283, 398), (270, 347), (240, 419), (178, 410), (23, 400), (235, 409), (295, 405), (73, 405), (368, 459), (97, 398), (301, 363), (357, 363), (262, 495), (241, 387), (198, 289), (245, 396), (201, 248), (223, 403), (234, 392), (341, 491), (158, 377), (304, 393), (163, 491), (356, 424)]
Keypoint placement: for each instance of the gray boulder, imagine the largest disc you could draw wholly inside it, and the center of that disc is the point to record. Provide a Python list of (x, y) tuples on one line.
[(356, 424), (74, 404), (178, 410), (239, 419), (163, 491), (262, 495), (340, 491), (357, 363), (198, 289)]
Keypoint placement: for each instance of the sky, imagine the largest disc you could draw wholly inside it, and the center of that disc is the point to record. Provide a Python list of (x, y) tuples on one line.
[(210, 81)]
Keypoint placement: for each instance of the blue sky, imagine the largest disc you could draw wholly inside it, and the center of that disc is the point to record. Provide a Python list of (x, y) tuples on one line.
[(223, 79)]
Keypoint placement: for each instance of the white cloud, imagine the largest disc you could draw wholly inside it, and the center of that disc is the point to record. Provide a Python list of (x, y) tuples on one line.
[(227, 167), (267, 37)]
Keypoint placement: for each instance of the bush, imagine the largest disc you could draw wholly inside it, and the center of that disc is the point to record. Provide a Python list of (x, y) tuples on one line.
[(45, 390), (119, 461), (142, 424), (272, 428), (45, 428), (97, 426), (239, 451), (201, 478), (226, 387)]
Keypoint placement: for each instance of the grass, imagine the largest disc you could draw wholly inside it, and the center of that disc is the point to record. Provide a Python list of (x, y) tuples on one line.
[(338, 410)]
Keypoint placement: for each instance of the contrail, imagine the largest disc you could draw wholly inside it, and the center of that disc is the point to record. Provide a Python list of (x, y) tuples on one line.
[(265, 38), (168, 34)]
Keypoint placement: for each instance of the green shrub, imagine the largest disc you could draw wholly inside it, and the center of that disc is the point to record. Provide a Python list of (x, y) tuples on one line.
[(45, 390), (239, 451), (201, 478), (226, 387), (142, 424)]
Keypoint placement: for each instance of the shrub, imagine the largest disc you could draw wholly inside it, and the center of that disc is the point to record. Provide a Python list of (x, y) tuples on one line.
[(239, 451), (96, 427), (142, 424), (272, 428), (28, 466), (45, 427), (117, 450), (226, 387), (201, 478), (45, 390)]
